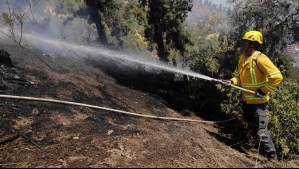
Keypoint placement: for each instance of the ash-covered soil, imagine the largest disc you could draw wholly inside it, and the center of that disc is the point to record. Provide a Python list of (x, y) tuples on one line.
[(38, 134)]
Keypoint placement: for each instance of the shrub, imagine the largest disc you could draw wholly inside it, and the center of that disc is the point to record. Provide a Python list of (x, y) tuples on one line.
[(284, 118), (283, 115)]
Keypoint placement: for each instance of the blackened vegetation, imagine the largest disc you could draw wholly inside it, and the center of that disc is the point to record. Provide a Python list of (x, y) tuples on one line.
[(5, 59), (10, 76), (157, 82), (14, 82), (163, 85)]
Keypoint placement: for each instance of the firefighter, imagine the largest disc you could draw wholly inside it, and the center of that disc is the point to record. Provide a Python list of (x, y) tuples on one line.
[(256, 72)]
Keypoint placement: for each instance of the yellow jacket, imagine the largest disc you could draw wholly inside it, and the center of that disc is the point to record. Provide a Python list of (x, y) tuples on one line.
[(258, 72)]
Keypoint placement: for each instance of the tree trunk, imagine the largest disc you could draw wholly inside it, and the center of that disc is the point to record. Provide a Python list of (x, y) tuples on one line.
[(161, 48), (97, 19), (158, 32)]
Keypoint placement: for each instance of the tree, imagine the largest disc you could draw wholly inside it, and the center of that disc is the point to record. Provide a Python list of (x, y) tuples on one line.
[(106, 15), (276, 19), (95, 8), (165, 25), (115, 20), (13, 22)]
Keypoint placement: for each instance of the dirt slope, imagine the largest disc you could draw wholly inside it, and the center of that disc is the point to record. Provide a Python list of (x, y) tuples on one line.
[(35, 134)]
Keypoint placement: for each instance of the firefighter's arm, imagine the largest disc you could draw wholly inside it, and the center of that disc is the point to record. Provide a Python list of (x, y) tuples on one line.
[(272, 72), (236, 78)]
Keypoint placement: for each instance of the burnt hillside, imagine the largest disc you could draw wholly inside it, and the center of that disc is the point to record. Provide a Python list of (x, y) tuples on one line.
[(35, 134)]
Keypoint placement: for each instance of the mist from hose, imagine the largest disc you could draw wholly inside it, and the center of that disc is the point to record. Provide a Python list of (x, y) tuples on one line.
[(45, 26), (64, 48)]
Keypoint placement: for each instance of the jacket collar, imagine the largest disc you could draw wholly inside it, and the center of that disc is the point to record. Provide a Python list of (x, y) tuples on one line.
[(250, 58)]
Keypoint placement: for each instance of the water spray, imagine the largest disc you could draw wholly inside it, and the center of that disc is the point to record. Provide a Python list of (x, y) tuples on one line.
[(95, 52), (86, 50)]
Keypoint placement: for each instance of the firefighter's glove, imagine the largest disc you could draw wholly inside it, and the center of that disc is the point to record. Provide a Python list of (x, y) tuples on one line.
[(227, 83), (260, 94)]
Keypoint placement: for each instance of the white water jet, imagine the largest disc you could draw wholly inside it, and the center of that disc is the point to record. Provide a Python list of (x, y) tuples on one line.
[(55, 45)]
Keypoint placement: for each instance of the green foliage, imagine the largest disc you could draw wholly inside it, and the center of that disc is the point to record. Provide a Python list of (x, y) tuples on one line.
[(12, 22), (78, 31), (205, 62), (120, 24), (293, 74), (231, 103), (123, 25), (101, 13), (203, 57), (284, 121), (275, 25), (206, 97), (165, 25), (67, 6), (132, 24), (283, 61), (211, 51), (142, 25), (6, 19), (275, 19), (284, 115)]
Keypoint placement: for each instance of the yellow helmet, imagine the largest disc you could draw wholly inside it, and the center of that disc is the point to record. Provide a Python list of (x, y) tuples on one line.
[(254, 36)]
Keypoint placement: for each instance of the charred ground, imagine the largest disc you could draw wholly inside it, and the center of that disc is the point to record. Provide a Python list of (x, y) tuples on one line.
[(35, 134)]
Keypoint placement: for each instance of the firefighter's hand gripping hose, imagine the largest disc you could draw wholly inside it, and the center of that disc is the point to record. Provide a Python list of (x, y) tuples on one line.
[(227, 84), (108, 109)]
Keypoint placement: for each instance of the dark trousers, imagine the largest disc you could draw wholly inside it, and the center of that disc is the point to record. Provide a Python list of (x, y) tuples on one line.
[(257, 118)]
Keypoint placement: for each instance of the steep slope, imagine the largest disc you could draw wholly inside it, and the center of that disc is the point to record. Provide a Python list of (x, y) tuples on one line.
[(35, 134)]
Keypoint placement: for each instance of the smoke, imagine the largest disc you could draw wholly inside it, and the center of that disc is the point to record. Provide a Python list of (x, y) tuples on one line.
[(82, 51), (53, 19), (207, 13), (52, 27), (55, 28)]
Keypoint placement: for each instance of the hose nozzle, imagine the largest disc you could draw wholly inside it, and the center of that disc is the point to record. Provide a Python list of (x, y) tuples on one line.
[(227, 83)]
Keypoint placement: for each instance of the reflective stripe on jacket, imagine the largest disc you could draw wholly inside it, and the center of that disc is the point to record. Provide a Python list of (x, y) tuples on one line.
[(258, 72)]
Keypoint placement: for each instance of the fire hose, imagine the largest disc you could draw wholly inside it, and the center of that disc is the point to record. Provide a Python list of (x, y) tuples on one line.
[(224, 83), (218, 81), (108, 109)]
